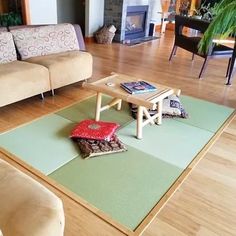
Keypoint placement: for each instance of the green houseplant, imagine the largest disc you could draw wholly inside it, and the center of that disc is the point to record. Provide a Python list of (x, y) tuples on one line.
[(222, 26), (10, 19)]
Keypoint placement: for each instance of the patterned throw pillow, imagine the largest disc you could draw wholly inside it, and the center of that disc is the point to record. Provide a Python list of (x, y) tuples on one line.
[(45, 40), (92, 148), (172, 107), (98, 130), (3, 29), (7, 48)]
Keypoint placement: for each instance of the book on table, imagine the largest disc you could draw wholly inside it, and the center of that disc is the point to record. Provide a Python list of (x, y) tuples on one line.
[(138, 87)]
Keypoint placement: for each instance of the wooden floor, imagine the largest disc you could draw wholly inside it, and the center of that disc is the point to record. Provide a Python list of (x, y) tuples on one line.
[(205, 204)]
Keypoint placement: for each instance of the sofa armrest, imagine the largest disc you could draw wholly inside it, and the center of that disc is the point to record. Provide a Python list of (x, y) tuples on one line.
[(26, 206), (80, 37)]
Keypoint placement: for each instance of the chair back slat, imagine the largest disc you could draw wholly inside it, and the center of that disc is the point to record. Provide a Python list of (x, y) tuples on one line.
[(192, 23)]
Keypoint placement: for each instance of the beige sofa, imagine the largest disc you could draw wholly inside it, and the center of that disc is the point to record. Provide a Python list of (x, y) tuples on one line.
[(65, 68), (26, 207), (18, 79), (50, 57)]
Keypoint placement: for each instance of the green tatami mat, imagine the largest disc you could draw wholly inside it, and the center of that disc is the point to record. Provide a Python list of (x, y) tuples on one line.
[(86, 110), (174, 142), (44, 143), (125, 186), (203, 114)]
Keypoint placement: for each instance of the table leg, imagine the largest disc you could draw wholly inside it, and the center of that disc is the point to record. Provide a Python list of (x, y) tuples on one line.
[(159, 111), (149, 118), (140, 122), (119, 105), (98, 106)]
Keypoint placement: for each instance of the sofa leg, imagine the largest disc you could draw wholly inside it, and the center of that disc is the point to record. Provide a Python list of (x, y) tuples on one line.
[(42, 96), (53, 93)]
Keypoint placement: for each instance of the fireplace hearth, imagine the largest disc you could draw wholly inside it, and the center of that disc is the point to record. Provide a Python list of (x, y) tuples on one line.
[(130, 17)]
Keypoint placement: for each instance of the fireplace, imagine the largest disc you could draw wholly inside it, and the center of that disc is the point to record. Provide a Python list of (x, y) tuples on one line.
[(135, 23), (130, 17)]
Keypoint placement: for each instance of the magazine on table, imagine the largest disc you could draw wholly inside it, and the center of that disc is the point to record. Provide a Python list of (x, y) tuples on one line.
[(138, 87)]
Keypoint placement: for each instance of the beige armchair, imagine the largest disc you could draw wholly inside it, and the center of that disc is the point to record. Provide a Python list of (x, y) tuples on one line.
[(26, 207)]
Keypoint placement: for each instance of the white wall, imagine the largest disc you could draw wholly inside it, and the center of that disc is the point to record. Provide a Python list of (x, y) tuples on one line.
[(94, 16), (43, 11), (155, 8)]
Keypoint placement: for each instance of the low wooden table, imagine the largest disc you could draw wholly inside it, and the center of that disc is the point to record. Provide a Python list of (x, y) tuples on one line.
[(145, 101)]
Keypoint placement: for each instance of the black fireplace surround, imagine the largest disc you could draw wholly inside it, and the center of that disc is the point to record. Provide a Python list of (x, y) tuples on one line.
[(136, 21)]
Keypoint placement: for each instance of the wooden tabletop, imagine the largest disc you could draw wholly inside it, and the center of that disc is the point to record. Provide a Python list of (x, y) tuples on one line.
[(147, 100)]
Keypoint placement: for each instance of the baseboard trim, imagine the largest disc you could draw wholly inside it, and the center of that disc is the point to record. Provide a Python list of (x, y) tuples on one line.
[(158, 28), (89, 39)]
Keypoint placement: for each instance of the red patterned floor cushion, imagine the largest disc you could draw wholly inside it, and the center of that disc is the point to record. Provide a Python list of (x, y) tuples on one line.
[(98, 130)]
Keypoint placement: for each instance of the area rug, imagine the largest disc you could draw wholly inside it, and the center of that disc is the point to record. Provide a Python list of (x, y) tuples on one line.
[(125, 186)]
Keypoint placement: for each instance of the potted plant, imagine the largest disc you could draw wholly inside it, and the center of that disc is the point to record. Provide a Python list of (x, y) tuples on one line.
[(222, 25), (10, 19)]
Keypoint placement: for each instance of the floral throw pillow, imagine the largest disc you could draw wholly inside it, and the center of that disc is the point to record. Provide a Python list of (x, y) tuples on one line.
[(45, 40), (7, 48), (93, 148)]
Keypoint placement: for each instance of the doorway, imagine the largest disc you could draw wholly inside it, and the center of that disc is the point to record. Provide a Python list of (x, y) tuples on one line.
[(71, 11)]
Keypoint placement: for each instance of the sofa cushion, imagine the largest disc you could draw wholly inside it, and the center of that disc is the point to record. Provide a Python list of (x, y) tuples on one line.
[(66, 68), (3, 29), (7, 48), (45, 40), (77, 28), (20, 80)]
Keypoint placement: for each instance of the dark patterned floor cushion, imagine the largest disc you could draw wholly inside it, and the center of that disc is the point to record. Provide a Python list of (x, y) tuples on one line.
[(91, 129), (172, 107), (92, 148)]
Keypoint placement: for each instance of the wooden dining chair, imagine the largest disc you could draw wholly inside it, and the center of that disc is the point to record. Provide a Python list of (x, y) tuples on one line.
[(190, 43)]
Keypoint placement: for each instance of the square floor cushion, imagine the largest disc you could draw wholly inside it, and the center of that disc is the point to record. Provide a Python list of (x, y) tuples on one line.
[(92, 148), (172, 107), (97, 130)]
